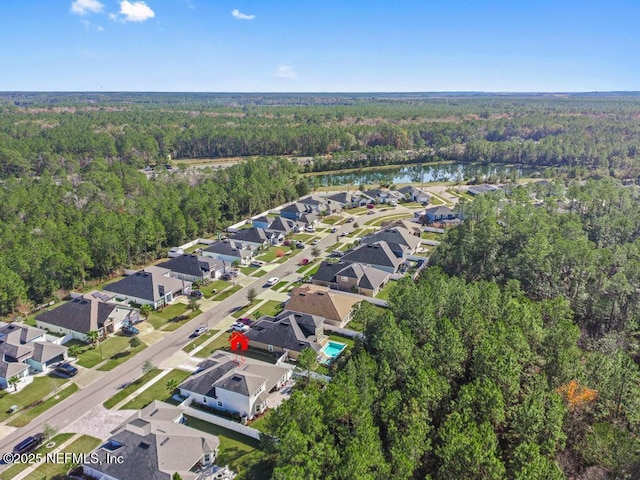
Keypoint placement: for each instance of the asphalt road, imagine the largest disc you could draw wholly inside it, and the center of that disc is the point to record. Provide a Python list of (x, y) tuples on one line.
[(75, 406)]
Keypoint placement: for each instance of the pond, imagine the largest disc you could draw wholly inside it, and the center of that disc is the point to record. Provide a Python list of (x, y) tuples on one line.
[(450, 172)]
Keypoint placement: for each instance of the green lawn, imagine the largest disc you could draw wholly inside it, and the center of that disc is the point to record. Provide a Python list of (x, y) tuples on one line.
[(228, 292), (239, 452), (199, 341), (24, 417), (435, 201), (279, 285), (220, 343), (181, 320), (314, 270), (333, 247), (241, 313), (217, 285), (36, 390), (157, 391), (378, 221), (270, 307), (302, 237), (195, 247), (272, 253), (356, 211), (259, 423), (331, 219), (258, 273), (120, 357), (339, 338), (307, 267), (90, 355), (16, 468), (129, 389), (384, 293), (160, 318), (432, 236), (84, 444)]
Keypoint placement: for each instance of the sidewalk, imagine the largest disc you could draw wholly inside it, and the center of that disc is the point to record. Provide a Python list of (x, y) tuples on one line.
[(31, 468)]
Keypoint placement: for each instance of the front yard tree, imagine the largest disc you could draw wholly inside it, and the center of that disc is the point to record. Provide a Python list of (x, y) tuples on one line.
[(171, 385), (92, 336), (134, 342), (145, 311), (194, 304), (147, 367), (13, 381), (49, 431), (251, 295), (74, 350)]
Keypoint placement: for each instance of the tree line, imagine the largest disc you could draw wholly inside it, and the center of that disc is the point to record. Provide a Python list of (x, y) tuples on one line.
[(59, 232)]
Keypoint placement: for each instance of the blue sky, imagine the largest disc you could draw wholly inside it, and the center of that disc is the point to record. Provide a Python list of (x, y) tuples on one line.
[(320, 46)]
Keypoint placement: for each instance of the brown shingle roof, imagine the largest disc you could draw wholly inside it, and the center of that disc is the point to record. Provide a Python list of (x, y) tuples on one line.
[(322, 302)]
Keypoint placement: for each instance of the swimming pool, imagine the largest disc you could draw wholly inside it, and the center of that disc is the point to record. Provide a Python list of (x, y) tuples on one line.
[(331, 351)]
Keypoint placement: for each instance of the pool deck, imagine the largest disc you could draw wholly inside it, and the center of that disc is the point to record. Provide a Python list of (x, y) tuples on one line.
[(325, 359)]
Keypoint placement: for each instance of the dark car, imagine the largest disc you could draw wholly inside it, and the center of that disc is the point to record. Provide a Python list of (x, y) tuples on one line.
[(66, 369), (351, 220), (246, 321), (304, 261), (130, 330), (299, 245), (370, 205), (29, 444), (196, 293)]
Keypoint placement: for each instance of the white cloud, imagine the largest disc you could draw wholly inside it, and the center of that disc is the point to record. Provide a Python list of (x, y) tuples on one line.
[(238, 15), (100, 29), (285, 71), (133, 12), (85, 7)]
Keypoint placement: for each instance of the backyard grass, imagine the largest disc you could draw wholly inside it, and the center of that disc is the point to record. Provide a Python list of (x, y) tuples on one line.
[(432, 236), (157, 391), (238, 451), (90, 356), (334, 337), (217, 285), (384, 293), (16, 468), (129, 389), (228, 292), (259, 423), (84, 444), (24, 417), (195, 247), (120, 357), (199, 341)]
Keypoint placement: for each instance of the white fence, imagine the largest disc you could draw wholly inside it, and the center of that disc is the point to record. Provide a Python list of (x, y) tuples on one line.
[(190, 244), (222, 422)]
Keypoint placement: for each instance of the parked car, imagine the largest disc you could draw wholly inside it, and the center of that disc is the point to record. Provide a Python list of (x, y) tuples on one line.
[(286, 243), (343, 234), (245, 321), (334, 229), (130, 330), (272, 281), (371, 212), (240, 327), (370, 205), (309, 228), (299, 245), (29, 444), (196, 294), (199, 331), (315, 241), (393, 203), (304, 261), (337, 253), (257, 263), (66, 369), (226, 276), (351, 220)]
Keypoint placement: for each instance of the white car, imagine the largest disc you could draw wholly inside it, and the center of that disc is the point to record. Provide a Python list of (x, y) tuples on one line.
[(309, 228), (240, 327), (315, 241), (272, 281)]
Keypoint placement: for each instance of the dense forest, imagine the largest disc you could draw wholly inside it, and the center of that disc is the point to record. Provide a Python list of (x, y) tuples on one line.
[(60, 134), (515, 358), (58, 232)]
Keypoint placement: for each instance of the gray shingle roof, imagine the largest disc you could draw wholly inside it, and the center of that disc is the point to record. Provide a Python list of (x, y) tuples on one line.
[(253, 235), (396, 235), (193, 265), (374, 254), (295, 207), (149, 284), (76, 315), (289, 330), (229, 248)]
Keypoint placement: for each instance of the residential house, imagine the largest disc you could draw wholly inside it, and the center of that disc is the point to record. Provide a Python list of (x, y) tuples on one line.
[(154, 444), (289, 332), (435, 214), (351, 277), (256, 238), (335, 308), (262, 221), (294, 211), (92, 311), (194, 268), (480, 189), (284, 226), (230, 251), (314, 204), (341, 200), (152, 286), (309, 218), (413, 227), (25, 349), (414, 194), (377, 254), (238, 387), (384, 195), (400, 240)]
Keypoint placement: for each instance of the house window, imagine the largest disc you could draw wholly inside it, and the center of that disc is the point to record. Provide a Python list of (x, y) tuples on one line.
[(270, 348), (219, 403), (344, 279)]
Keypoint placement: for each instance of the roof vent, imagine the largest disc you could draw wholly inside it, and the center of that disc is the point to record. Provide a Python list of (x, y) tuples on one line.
[(144, 445)]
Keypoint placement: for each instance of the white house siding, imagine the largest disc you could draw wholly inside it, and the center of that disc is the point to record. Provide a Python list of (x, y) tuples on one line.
[(96, 474), (231, 401)]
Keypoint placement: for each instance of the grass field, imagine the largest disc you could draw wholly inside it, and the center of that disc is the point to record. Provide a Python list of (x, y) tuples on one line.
[(279, 285), (91, 356), (24, 417), (272, 253), (376, 222), (220, 343), (84, 444), (217, 285), (39, 388), (228, 292), (199, 341), (120, 357), (384, 293), (270, 307), (239, 452), (129, 389), (258, 273), (157, 391)]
